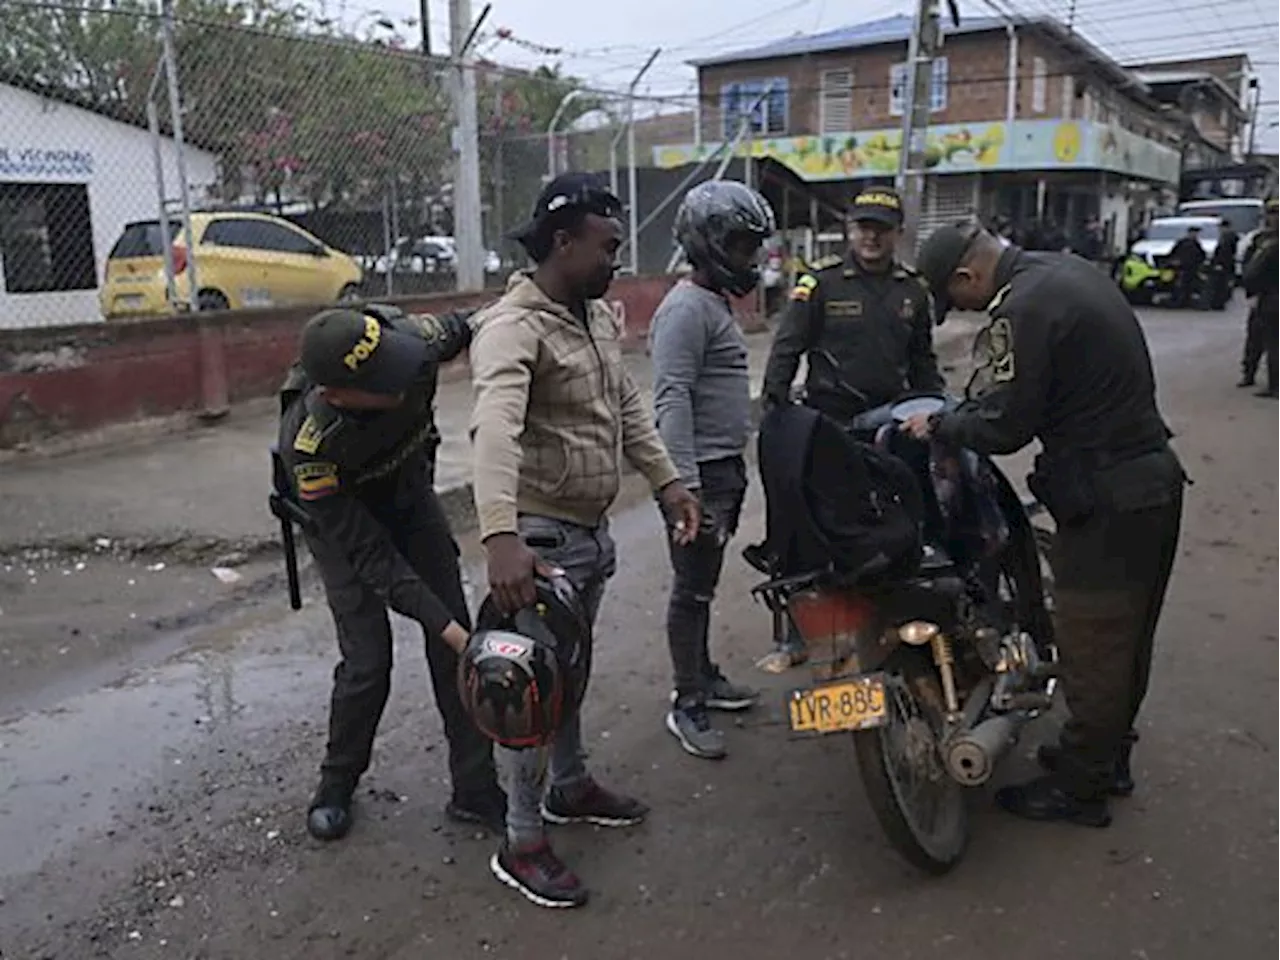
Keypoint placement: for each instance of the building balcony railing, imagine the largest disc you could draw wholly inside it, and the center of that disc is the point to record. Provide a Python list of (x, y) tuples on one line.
[(1023, 145)]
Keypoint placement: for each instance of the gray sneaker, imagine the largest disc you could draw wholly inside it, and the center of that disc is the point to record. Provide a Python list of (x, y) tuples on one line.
[(723, 695), (691, 725)]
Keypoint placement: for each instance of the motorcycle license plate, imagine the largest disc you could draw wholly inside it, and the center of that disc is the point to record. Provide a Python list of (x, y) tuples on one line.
[(854, 704)]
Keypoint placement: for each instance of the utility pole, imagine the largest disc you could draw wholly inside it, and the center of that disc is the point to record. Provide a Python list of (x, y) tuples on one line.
[(466, 145), (633, 199), (923, 47), (424, 12)]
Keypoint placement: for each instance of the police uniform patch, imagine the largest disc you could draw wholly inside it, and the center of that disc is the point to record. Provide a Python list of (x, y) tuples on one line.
[(1002, 366), (430, 326), (316, 480), (908, 308), (844, 308), (804, 288), (309, 436)]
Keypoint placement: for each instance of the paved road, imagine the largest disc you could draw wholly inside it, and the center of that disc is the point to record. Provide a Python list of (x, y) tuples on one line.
[(159, 817)]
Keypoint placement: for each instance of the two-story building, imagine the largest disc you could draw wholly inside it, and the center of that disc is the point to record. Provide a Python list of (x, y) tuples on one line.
[(1029, 120), (1209, 96)]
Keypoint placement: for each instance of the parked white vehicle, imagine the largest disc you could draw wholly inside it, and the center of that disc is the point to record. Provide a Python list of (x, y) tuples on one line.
[(1245, 215), (1163, 232)]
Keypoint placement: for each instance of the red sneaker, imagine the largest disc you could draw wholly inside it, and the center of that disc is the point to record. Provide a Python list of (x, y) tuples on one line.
[(538, 874)]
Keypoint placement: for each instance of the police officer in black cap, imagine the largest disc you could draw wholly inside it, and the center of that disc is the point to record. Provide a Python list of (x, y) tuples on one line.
[(357, 433), (865, 322), (1065, 361)]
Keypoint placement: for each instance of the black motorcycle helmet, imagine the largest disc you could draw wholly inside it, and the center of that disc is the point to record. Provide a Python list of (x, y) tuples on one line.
[(523, 674), (710, 214), (512, 687)]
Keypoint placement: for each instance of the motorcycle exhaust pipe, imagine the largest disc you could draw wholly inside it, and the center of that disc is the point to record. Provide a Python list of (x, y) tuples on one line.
[(972, 757)]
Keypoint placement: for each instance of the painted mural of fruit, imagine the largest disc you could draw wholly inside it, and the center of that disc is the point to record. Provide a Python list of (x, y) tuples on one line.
[(934, 154), (1066, 143)]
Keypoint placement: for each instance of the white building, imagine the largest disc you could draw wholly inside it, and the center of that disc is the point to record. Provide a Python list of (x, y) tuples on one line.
[(70, 179)]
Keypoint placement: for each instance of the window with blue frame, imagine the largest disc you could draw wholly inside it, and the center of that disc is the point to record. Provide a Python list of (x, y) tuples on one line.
[(769, 116), (899, 77)]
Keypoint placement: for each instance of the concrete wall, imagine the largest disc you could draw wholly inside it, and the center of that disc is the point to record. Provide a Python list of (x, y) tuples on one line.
[(46, 141), (70, 379)]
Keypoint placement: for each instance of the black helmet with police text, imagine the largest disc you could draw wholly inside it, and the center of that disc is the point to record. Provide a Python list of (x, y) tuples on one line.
[(523, 674), (709, 217)]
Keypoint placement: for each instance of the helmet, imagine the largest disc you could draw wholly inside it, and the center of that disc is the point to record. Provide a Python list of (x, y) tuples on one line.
[(709, 215), (512, 688), (522, 675)]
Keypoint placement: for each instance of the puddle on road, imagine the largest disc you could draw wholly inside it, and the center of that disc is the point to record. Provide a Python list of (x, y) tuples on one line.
[(67, 771)]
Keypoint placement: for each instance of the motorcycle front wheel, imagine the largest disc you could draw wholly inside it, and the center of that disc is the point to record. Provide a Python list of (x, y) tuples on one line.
[(919, 806)]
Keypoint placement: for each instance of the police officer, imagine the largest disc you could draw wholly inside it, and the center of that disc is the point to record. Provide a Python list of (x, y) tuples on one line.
[(869, 314), (1064, 360), (864, 323), (357, 433), (1256, 336), (1223, 262), (1260, 281)]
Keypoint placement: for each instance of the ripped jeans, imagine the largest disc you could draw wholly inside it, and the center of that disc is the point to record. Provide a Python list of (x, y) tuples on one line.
[(697, 573)]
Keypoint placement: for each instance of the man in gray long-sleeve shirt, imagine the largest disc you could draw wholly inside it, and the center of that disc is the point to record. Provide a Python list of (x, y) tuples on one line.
[(702, 400)]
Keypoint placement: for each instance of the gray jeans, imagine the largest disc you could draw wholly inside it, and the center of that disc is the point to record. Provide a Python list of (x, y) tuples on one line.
[(589, 558)]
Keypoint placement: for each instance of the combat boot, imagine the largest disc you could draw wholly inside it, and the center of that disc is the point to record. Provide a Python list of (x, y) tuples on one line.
[(1121, 784), (329, 816)]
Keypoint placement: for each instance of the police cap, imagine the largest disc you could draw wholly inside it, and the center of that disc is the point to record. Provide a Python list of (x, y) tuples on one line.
[(881, 204), (941, 255), (351, 348)]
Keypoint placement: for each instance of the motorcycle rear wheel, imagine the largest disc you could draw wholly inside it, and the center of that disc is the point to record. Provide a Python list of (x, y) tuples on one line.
[(920, 807)]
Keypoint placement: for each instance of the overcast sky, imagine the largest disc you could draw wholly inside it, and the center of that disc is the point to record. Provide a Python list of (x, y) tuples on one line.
[(606, 41)]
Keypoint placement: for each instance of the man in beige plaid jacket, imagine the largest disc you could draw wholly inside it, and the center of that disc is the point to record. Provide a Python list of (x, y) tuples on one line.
[(556, 413)]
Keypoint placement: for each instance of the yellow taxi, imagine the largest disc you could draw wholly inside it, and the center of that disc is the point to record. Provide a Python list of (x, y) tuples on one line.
[(242, 260)]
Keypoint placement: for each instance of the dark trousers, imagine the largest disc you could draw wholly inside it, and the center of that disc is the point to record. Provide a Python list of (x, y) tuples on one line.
[(696, 568), (1254, 347), (1186, 286), (1110, 573), (1270, 341), (362, 679)]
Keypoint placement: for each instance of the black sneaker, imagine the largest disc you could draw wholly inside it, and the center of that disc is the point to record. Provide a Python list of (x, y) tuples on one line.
[(329, 816), (723, 695), (539, 875), (487, 809), (690, 724), (592, 803)]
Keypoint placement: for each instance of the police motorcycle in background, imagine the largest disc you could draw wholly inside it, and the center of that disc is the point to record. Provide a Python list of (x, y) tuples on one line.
[(917, 581)]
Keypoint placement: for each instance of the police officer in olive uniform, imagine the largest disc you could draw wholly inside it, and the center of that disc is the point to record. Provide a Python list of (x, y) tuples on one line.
[(865, 322), (866, 327), (357, 435), (1064, 360), (1258, 278)]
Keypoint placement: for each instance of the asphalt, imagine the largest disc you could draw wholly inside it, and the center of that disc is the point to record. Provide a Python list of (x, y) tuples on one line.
[(156, 811)]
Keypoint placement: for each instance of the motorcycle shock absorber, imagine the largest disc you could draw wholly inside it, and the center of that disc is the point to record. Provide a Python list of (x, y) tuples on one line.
[(944, 657)]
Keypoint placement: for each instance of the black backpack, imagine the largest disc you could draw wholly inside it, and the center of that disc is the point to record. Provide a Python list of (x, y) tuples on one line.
[(834, 503)]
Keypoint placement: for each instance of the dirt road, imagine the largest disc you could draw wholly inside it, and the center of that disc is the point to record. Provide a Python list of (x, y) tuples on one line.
[(159, 816)]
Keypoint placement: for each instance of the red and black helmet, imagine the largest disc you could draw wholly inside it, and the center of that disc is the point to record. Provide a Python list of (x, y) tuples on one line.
[(522, 675)]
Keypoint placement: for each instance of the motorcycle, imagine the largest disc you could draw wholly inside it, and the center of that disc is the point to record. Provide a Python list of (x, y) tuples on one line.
[(934, 675)]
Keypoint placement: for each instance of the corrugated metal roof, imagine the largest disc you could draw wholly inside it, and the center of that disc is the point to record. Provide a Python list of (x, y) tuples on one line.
[(894, 29)]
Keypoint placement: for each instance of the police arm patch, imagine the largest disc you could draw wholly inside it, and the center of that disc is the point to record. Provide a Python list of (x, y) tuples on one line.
[(1002, 362), (307, 440), (804, 288), (316, 480)]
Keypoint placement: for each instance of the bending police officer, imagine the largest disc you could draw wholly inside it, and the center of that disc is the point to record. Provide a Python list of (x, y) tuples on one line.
[(357, 433), (1064, 360)]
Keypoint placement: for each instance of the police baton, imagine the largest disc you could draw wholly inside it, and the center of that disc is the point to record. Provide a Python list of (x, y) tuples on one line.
[(288, 513)]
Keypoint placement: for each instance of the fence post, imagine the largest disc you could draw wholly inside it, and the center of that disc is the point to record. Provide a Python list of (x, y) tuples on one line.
[(179, 147)]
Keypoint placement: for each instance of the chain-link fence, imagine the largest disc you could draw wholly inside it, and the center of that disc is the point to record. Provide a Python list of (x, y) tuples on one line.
[(317, 164)]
